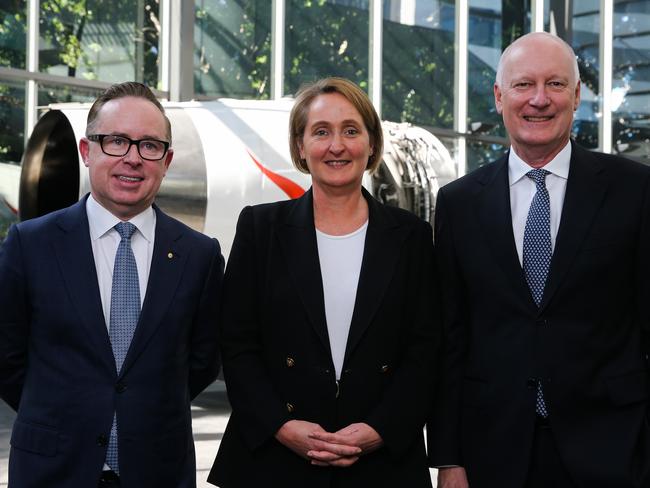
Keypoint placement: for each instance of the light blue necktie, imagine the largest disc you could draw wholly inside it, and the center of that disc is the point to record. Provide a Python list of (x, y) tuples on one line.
[(125, 311), (538, 251)]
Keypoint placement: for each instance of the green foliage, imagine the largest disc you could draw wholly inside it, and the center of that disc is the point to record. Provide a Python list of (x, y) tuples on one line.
[(233, 48), (325, 39)]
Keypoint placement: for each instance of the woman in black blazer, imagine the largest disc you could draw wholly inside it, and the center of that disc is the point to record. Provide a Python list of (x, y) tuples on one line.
[(329, 336)]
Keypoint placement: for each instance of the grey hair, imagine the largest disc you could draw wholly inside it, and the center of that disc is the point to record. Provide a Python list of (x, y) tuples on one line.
[(562, 42)]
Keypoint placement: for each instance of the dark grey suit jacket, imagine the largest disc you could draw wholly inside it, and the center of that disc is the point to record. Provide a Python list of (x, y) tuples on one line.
[(586, 342)]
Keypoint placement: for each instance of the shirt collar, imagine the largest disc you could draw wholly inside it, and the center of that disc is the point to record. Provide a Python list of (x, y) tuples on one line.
[(559, 165), (102, 221)]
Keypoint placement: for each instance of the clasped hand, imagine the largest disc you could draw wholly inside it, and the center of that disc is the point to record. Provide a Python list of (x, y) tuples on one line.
[(342, 448)]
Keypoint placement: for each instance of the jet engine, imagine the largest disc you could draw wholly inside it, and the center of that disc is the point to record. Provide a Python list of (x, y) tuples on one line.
[(227, 154)]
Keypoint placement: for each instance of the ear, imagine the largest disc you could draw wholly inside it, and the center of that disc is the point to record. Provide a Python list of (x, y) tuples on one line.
[(497, 99), (576, 102), (301, 149), (168, 158), (84, 148)]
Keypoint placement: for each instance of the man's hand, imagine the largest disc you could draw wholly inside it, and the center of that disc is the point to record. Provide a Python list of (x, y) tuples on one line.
[(360, 436), (452, 478), (300, 437)]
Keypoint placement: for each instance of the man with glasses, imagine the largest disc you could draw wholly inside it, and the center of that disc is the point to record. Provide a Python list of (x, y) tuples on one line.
[(108, 313)]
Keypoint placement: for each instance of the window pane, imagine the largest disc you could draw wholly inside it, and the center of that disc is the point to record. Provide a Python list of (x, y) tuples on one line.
[(62, 94), (480, 153), (12, 121), (418, 62), (232, 48), (631, 79), (102, 40), (585, 42), (325, 38), (492, 27), (13, 28)]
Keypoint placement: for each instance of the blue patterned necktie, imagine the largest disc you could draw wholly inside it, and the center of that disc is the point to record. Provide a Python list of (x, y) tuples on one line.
[(537, 252), (125, 311)]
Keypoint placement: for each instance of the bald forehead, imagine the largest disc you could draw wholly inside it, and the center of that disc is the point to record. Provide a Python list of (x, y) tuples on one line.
[(526, 47)]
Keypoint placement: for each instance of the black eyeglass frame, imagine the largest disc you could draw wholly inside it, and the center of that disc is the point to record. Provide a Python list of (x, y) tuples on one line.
[(100, 138)]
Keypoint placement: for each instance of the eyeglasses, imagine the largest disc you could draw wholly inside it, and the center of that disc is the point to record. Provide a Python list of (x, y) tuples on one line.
[(149, 149)]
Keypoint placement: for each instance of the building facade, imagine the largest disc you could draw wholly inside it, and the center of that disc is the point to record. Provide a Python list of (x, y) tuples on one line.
[(428, 62)]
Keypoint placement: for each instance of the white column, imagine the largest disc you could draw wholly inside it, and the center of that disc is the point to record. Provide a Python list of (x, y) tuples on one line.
[(31, 88), (460, 78), (181, 59), (164, 41), (537, 15), (277, 50), (605, 82), (375, 54)]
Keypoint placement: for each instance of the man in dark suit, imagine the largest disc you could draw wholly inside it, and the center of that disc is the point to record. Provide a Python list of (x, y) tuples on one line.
[(108, 318), (545, 271)]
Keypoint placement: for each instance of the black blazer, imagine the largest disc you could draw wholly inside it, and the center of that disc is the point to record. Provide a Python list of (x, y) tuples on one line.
[(57, 366), (277, 360), (585, 342)]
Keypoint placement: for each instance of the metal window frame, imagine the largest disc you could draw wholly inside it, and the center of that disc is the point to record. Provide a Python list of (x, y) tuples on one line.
[(176, 62), (277, 49), (606, 47), (460, 83), (375, 51)]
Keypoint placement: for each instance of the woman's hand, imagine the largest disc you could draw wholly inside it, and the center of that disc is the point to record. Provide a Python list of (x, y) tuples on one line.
[(359, 435), (302, 438)]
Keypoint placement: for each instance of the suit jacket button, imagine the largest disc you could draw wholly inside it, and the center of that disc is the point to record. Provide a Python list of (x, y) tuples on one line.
[(290, 362), (290, 408), (120, 388), (385, 368), (102, 440), (531, 383)]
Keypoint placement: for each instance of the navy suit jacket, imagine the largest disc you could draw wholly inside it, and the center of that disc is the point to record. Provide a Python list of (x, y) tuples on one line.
[(586, 342), (57, 367)]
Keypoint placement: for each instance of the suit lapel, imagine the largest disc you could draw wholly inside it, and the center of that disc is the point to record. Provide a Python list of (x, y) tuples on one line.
[(384, 239), (167, 264), (74, 252), (297, 236), (495, 217), (585, 192)]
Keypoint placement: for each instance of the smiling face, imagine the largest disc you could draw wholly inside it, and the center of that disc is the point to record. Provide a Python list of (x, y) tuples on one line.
[(335, 144), (537, 94), (126, 185)]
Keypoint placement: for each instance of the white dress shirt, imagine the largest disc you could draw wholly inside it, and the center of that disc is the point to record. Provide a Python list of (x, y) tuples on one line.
[(522, 191), (340, 266), (105, 240)]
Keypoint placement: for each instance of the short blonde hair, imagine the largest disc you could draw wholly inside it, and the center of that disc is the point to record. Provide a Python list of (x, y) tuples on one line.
[(355, 95)]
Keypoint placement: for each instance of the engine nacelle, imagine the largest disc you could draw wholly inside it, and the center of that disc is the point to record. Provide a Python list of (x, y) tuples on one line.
[(227, 154)]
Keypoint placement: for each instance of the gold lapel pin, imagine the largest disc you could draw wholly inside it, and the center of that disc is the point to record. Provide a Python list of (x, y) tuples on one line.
[(170, 255)]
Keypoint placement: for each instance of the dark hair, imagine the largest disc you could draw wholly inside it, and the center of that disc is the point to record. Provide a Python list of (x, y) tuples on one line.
[(126, 89), (355, 95)]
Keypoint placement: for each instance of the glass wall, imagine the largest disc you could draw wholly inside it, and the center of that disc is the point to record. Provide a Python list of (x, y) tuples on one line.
[(63, 94), (492, 27), (13, 33), (232, 48), (418, 62), (12, 121), (325, 38), (84, 44), (585, 39), (631, 79), (107, 40)]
